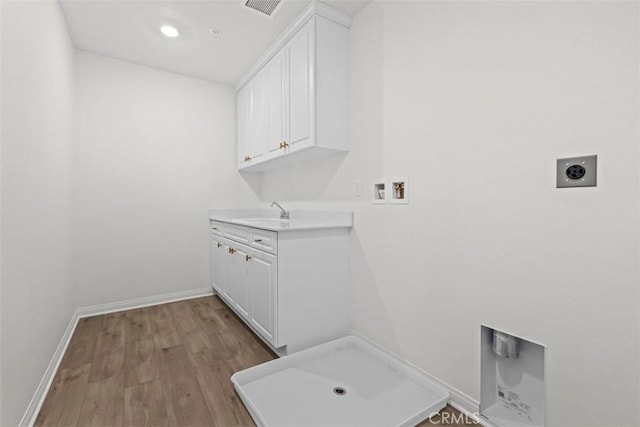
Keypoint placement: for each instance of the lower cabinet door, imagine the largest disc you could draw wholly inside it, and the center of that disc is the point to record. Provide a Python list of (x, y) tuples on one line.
[(227, 272), (240, 267), (217, 257), (263, 274)]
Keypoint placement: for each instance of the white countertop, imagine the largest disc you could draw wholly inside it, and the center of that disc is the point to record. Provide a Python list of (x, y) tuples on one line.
[(270, 219)]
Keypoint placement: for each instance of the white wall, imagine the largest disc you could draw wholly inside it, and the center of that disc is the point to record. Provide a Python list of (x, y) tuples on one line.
[(38, 298), (153, 152), (474, 101)]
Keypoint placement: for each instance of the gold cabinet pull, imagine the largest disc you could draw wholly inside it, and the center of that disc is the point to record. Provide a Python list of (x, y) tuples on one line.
[(219, 244), (284, 144), (247, 257), (257, 240)]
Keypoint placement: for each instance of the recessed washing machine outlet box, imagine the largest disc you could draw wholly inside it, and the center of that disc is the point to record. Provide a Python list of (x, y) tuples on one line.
[(512, 384), (577, 172)]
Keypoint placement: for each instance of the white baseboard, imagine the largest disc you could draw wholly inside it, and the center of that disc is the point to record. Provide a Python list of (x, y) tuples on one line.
[(113, 307), (30, 415), (459, 400)]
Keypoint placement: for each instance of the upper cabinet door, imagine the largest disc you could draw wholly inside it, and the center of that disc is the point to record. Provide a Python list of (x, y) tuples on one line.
[(258, 118), (276, 96), (301, 53), (244, 112)]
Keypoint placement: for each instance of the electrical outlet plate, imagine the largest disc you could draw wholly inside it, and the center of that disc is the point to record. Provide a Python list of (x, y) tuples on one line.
[(577, 172)]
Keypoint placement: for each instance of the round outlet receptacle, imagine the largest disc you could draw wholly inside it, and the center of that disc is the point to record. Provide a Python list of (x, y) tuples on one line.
[(575, 172)]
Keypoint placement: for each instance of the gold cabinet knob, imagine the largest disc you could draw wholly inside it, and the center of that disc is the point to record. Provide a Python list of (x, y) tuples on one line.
[(281, 146), (232, 251), (247, 257), (284, 144), (219, 244)]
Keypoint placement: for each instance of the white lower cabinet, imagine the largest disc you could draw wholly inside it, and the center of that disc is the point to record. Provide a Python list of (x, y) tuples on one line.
[(289, 287), (246, 279)]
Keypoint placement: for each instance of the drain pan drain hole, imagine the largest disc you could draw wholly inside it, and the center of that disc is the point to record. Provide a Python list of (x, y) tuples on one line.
[(340, 391)]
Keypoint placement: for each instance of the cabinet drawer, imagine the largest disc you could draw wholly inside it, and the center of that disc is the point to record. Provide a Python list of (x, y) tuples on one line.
[(264, 240), (238, 234), (217, 228)]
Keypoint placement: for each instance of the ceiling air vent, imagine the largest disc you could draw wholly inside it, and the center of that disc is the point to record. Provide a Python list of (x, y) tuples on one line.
[(265, 6)]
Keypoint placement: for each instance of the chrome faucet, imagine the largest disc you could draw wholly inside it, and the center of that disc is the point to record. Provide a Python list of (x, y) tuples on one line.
[(283, 214)]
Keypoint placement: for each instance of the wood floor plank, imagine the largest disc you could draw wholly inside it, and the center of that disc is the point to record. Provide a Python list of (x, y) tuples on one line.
[(196, 340), (207, 312), (82, 345), (141, 362), (138, 325), (214, 377), (184, 317), (186, 405), (232, 346), (112, 336), (103, 403), (223, 344), (107, 365), (144, 405), (249, 347), (64, 400), (163, 328), (217, 303)]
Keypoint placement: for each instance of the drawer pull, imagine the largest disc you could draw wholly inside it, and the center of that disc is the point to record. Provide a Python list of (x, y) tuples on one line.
[(258, 240), (232, 251), (214, 228), (247, 257), (219, 244)]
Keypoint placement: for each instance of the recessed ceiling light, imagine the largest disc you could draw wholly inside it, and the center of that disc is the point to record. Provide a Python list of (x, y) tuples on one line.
[(169, 31)]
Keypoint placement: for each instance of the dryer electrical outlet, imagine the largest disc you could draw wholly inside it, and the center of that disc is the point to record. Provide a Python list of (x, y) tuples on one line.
[(577, 172)]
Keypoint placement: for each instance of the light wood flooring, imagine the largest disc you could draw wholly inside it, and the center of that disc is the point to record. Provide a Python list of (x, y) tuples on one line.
[(166, 365)]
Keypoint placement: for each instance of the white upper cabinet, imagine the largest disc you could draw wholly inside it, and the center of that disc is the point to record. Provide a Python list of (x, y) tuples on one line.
[(294, 103), (276, 99)]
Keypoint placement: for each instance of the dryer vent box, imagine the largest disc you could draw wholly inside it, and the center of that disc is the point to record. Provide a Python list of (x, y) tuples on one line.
[(512, 391)]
